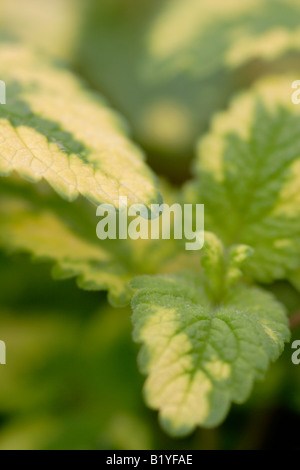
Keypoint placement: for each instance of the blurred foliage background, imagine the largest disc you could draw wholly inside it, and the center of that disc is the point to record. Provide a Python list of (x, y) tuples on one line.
[(71, 380)]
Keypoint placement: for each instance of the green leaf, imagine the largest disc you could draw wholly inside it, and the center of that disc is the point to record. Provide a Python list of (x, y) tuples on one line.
[(166, 115), (181, 61), (51, 128), (215, 34), (40, 224), (200, 355), (33, 219), (248, 178)]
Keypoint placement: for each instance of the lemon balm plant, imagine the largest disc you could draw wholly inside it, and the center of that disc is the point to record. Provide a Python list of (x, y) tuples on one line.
[(207, 322)]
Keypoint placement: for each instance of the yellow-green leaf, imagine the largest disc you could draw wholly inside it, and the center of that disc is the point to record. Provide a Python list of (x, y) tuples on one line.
[(216, 34), (248, 178), (33, 219), (198, 355), (52, 128)]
